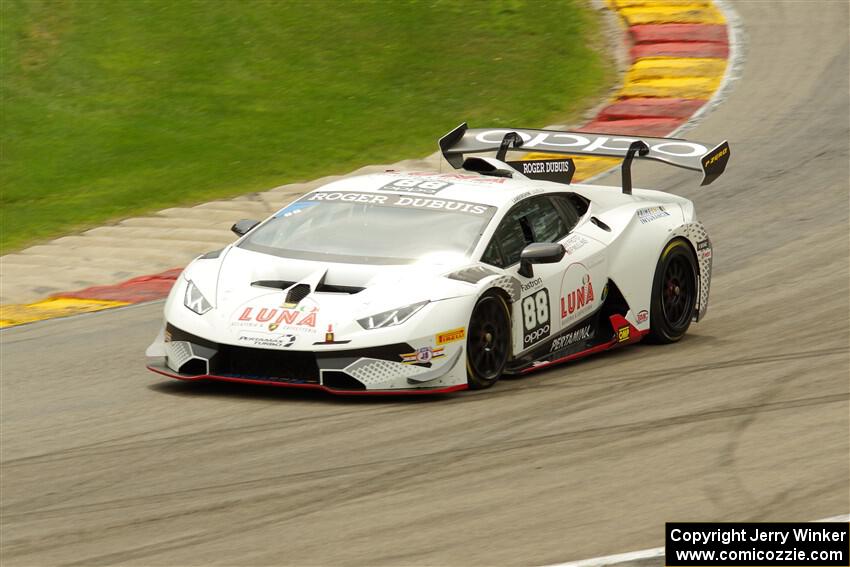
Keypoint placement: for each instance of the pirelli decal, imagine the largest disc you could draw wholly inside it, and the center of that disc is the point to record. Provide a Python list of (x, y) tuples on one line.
[(451, 336)]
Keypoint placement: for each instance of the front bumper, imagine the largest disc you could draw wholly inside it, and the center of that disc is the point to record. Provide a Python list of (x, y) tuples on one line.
[(381, 369), (165, 371)]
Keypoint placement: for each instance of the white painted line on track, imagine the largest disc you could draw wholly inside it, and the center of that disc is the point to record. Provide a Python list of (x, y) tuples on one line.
[(650, 553), (615, 559)]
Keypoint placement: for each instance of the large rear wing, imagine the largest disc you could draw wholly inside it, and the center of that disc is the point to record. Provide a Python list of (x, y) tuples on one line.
[(695, 156)]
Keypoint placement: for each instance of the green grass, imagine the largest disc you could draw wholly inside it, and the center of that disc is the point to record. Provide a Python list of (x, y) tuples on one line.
[(112, 108)]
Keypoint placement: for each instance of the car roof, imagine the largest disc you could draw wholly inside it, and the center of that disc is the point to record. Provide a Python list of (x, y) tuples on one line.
[(461, 186)]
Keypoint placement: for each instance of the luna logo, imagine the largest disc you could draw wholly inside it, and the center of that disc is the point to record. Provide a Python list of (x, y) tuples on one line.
[(286, 316), (577, 298)]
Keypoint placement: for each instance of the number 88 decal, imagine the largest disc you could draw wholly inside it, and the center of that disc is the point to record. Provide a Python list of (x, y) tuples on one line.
[(535, 316)]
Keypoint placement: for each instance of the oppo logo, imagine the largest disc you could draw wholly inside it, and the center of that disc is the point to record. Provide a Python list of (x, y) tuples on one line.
[(562, 140), (533, 336)]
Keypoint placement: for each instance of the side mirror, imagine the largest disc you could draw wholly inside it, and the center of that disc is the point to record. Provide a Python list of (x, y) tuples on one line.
[(244, 226), (539, 253)]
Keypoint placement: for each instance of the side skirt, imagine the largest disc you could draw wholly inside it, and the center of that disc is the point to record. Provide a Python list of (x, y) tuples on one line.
[(616, 330)]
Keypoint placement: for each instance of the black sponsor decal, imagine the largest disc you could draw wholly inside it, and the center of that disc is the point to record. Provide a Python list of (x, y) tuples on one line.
[(535, 318), (703, 244), (267, 340), (750, 543), (558, 170), (571, 338), (424, 186), (532, 284)]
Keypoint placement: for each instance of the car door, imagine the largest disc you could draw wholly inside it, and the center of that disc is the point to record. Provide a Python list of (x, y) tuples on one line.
[(536, 316), (585, 274)]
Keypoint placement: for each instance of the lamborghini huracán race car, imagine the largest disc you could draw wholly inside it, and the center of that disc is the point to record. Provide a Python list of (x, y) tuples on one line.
[(424, 282)]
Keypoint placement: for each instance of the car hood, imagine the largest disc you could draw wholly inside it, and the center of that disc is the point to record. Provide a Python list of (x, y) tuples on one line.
[(241, 279)]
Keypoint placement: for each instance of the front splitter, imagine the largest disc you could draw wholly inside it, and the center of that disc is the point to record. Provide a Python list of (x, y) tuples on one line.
[(165, 371)]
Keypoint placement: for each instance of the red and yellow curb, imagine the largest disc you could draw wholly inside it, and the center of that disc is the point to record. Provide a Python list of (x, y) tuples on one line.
[(97, 298), (11, 315), (678, 51)]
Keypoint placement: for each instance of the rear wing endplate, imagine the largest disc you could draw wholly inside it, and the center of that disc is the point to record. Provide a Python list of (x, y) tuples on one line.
[(686, 154)]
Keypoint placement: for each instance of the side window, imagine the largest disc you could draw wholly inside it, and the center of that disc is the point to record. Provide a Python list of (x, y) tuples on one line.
[(546, 223), (568, 210), (533, 220)]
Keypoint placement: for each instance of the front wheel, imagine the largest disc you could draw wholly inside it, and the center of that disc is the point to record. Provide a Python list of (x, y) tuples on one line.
[(674, 293), (488, 341)]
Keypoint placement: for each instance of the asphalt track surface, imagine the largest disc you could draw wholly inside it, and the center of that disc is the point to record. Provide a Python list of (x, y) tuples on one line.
[(745, 419)]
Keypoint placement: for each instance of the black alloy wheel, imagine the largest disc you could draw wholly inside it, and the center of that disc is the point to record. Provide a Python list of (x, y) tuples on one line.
[(674, 293), (488, 341)]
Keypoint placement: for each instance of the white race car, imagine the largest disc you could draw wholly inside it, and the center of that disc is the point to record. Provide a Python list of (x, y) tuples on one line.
[(408, 282)]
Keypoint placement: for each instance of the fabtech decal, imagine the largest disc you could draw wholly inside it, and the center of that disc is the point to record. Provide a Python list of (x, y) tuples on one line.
[(402, 201)]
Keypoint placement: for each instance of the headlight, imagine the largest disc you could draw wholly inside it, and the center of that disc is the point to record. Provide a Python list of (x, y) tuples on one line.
[(195, 300), (391, 317)]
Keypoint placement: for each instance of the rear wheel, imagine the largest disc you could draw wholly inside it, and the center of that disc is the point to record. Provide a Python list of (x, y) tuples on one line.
[(674, 293), (488, 341)]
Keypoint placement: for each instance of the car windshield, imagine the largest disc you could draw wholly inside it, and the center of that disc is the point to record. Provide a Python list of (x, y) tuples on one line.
[(371, 228)]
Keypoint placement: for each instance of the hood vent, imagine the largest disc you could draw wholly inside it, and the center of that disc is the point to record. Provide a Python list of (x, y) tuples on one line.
[(349, 289), (274, 284), (297, 293), (321, 288)]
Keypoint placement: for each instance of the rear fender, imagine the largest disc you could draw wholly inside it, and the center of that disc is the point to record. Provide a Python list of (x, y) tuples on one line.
[(696, 235)]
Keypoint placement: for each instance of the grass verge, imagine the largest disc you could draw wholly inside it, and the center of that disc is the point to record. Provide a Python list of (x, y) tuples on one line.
[(112, 109)]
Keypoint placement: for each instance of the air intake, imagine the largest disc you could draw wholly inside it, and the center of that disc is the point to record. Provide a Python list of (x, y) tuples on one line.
[(274, 284), (297, 293)]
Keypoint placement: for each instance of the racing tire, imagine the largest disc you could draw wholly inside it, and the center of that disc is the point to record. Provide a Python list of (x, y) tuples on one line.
[(674, 293), (488, 341)]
